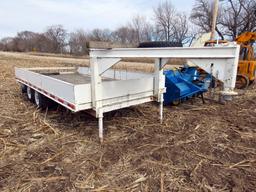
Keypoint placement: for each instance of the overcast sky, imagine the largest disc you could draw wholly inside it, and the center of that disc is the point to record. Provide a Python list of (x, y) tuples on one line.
[(36, 15)]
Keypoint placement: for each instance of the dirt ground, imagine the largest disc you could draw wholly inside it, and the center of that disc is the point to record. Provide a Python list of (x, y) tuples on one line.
[(199, 147)]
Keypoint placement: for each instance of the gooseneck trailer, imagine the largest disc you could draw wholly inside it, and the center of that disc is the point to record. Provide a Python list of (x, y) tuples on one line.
[(100, 89)]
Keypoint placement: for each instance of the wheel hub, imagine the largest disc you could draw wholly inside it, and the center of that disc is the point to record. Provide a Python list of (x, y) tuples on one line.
[(29, 93), (37, 98)]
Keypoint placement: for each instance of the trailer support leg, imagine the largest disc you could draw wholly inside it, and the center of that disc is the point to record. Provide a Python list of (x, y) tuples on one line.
[(161, 111), (159, 85), (202, 97), (101, 128)]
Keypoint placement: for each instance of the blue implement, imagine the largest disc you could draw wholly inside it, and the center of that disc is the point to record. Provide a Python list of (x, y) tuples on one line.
[(184, 83)]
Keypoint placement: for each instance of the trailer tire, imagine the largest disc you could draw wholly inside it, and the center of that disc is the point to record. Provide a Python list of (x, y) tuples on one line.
[(23, 88), (30, 94), (154, 44), (242, 81), (40, 100)]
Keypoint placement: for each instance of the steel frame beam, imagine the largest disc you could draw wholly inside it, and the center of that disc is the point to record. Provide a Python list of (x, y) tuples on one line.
[(180, 52)]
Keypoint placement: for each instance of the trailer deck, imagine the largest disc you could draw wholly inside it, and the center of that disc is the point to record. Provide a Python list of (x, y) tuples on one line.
[(76, 78)]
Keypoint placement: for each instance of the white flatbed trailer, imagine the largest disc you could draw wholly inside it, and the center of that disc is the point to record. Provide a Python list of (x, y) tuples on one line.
[(98, 89)]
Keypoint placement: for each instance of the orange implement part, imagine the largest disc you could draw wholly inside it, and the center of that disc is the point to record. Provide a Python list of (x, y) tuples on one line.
[(246, 37), (247, 68)]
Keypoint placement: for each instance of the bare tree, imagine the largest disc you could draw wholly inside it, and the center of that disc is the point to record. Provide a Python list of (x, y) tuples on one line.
[(164, 14), (141, 28), (180, 28), (202, 15), (238, 17), (170, 24), (1, 46), (42, 43), (26, 41), (100, 35), (7, 44), (77, 43), (136, 31), (56, 36), (250, 15), (124, 35), (235, 17)]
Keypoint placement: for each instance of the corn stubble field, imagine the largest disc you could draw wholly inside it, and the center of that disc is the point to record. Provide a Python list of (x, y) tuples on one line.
[(198, 147)]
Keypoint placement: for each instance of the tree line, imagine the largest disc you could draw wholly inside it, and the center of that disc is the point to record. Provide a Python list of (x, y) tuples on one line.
[(168, 24), (235, 17)]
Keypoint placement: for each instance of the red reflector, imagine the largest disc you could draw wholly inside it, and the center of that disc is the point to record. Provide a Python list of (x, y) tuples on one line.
[(61, 100), (71, 106)]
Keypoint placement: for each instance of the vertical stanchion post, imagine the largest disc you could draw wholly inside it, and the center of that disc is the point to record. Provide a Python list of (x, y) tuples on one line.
[(101, 130), (159, 86), (161, 108), (96, 82), (98, 66), (212, 89)]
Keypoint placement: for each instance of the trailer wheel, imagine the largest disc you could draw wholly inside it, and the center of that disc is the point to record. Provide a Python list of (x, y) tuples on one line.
[(23, 88), (40, 100), (30, 94)]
